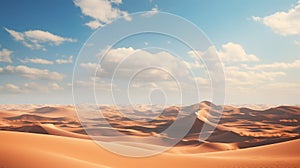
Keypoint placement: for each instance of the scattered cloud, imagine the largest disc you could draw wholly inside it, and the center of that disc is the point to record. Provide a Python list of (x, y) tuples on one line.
[(241, 77), (118, 2), (100, 85), (29, 88), (47, 62), (11, 88), (101, 11), (89, 66), (152, 12), (37, 61), (232, 52), (31, 73), (5, 55), (133, 60), (55, 86), (35, 39), (272, 66), (146, 69), (65, 61), (283, 23), (193, 65), (94, 24)]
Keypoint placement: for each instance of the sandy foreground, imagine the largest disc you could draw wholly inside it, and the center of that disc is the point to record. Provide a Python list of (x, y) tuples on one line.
[(52, 136), (33, 150)]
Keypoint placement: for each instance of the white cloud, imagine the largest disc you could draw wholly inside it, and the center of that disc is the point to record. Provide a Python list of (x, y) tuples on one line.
[(89, 66), (5, 55), (255, 18), (63, 61), (195, 54), (118, 2), (232, 52), (276, 65), (11, 88), (35, 39), (241, 77), (37, 61), (31, 73), (100, 85), (55, 86), (193, 65), (133, 60), (29, 88), (152, 12), (94, 24), (102, 11), (38, 87), (145, 69), (283, 23)]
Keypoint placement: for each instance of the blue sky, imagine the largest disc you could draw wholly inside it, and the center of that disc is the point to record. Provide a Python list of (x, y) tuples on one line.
[(258, 42)]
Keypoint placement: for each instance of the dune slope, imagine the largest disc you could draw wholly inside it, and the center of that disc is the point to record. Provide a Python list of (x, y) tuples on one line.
[(37, 150)]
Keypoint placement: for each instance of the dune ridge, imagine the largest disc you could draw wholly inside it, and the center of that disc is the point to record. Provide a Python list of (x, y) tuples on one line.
[(241, 135), (55, 151)]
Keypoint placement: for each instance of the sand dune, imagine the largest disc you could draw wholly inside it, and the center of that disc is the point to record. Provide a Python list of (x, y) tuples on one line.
[(52, 151), (242, 138)]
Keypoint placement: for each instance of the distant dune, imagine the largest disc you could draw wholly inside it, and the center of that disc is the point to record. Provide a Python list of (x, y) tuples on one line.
[(242, 138)]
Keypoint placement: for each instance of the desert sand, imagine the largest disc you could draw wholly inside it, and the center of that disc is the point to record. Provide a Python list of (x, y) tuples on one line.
[(52, 136)]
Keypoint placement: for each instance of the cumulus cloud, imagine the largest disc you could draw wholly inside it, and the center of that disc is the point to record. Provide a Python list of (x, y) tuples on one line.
[(101, 11), (31, 87), (152, 12), (37, 61), (5, 55), (232, 52), (133, 60), (35, 39), (229, 52), (283, 22), (144, 70), (65, 61), (31, 73), (243, 77)]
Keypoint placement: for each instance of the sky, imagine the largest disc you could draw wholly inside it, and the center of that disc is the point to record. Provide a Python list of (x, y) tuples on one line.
[(258, 43)]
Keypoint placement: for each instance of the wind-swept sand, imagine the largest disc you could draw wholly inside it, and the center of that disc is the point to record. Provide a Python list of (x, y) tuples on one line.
[(34, 150), (52, 136)]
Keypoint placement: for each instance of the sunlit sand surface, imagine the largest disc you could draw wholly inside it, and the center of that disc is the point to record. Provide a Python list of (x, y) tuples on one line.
[(52, 136)]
